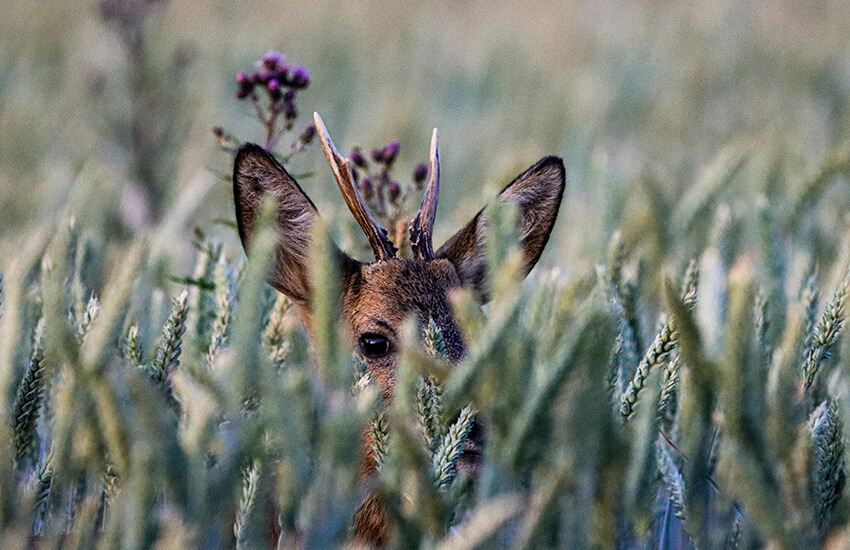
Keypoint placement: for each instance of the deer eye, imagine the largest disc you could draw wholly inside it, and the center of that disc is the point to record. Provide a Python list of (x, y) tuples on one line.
[(374, 345)]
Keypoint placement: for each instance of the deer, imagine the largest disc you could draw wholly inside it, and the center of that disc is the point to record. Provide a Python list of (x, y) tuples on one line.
[(377, 297)]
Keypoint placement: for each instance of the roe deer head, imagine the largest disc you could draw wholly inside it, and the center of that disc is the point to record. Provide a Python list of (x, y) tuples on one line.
[(378, 296)]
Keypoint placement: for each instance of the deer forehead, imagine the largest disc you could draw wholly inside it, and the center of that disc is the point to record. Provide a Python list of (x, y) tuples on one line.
[(388, 291)]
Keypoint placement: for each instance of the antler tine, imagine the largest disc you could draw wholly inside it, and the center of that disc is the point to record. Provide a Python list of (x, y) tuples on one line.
[(341, 166), (422, 226)]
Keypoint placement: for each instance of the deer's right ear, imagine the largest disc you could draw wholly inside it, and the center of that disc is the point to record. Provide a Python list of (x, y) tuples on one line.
[(537, 194), (257, 173)]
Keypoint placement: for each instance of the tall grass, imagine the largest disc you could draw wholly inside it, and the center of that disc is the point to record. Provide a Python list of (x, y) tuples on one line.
[(696, 401)]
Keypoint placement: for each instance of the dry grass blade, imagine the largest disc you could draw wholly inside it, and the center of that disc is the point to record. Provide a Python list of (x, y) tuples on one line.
[(483, 523), (711, 181)]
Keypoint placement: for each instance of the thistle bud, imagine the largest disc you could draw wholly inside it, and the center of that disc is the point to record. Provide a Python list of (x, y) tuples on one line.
[(270, 61), (263, 77), (391, 151), (274, 89), (299, 77), (307, 134), (394, 190), (246, 85), (378, 155), (357, 158), (367, 187), (289, 109), (282, 75), (419, 174)]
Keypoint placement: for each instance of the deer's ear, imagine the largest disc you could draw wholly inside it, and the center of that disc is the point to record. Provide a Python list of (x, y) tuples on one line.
[(256, 173), (537, 194)]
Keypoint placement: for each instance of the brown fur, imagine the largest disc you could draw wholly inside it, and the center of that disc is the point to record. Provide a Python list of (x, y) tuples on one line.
[(377, 297)]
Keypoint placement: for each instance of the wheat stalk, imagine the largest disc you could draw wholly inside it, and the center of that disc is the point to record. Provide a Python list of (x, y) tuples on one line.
[(664, 344), (275, 334), (167, 357)]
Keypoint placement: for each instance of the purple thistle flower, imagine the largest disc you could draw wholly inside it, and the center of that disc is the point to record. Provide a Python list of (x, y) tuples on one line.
[(357, 158), (378, 155), (419, 174), (390, 151), (276, 109), (299, 77), (282, 75), (270, 61)]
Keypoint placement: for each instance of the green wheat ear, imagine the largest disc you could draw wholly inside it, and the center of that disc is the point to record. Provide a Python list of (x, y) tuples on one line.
[(275, 334), (435, 342), (672, 478), (132, 350), (28, 401), (167, 357), (668, 401), (379, 438), (429, 395), (451, 447), (429, 407), (664, 344), (825, 334), (225, 292), (247, 507), (87, 317), (828, 462)]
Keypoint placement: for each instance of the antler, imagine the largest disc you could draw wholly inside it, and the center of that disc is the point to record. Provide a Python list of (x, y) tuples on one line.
[(341, 166), (422, 226)]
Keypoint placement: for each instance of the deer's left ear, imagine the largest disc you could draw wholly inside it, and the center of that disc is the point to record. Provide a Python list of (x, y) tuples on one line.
[(537, 193)]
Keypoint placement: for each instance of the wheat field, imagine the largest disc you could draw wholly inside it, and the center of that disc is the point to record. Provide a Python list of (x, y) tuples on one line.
[(672, 375)]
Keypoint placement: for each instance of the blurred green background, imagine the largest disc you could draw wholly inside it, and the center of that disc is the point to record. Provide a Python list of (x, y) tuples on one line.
[(622, 90)]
